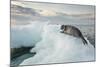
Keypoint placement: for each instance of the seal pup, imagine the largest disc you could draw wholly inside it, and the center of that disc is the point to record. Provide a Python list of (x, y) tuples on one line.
[(71, 30)]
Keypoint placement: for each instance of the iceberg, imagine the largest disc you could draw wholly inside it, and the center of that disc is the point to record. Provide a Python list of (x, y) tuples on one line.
[(26, 35), (56, 47)]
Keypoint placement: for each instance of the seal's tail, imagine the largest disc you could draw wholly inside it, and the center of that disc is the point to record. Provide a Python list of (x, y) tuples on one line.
[(84, 41)]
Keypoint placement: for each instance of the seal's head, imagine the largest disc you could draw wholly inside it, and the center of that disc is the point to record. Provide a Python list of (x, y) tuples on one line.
[(62, 28)]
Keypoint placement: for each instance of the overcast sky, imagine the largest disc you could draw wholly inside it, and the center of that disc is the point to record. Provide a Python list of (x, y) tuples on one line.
[(64, 8)]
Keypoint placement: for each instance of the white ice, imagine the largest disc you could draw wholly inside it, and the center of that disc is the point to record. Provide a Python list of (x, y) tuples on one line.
[(26, 35), (56, 47)]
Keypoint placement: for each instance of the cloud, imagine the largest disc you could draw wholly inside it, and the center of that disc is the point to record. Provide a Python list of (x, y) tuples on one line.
[(47, 13)]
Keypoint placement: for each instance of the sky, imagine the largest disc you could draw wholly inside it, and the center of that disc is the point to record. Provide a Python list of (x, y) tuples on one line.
[(55, 12), (52, 8)]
